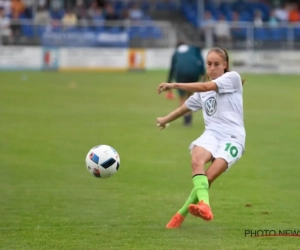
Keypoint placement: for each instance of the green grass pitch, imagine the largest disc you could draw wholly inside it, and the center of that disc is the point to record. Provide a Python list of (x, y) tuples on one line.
[(48, 199)]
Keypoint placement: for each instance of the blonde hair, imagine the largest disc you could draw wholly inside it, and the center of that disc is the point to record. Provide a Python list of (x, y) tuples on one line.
[(224, 54)]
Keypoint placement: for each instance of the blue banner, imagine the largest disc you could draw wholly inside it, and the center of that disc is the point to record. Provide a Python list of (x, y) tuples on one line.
[(85, 39)]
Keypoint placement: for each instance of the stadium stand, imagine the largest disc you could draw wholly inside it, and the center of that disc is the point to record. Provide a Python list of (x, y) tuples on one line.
[(81, 16), (260, 13)]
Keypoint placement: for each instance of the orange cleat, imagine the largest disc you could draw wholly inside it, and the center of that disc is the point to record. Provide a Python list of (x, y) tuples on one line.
[(201, 210), (176, 221), (170, 95)]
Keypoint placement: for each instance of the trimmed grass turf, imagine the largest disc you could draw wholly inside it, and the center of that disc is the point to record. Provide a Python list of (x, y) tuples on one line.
[(49, 121)]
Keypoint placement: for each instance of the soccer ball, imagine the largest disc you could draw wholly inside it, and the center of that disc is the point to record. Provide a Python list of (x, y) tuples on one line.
[(102, 161)]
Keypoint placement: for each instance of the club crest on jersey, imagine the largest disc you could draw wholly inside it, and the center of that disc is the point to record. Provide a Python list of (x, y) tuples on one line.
[(210, 106)]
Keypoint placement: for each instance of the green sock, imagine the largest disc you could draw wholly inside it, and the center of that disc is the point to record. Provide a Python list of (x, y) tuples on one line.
[(191, 200), (201, 187)]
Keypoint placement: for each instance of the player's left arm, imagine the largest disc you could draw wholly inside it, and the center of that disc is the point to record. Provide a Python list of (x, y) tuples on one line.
[(197, 87), (189, 87), (227, 83)]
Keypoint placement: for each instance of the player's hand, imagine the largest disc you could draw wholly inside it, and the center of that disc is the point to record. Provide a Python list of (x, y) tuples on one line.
[(161, 123), (165, 87)]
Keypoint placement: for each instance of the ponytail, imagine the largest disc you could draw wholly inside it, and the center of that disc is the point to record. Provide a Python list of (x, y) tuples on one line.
[(206, 78), (227, 60)]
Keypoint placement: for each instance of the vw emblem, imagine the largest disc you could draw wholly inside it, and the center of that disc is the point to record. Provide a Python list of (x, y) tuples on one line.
[(211, 106)]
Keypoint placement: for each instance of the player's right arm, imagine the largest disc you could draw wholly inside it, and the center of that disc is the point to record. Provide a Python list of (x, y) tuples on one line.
[(193, 103), (183, 109)]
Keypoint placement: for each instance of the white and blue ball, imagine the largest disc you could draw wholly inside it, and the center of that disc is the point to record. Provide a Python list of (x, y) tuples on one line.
[(102, 161)]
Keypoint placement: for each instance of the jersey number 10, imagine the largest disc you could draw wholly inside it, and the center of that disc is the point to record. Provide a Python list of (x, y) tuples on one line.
[(232, 149)]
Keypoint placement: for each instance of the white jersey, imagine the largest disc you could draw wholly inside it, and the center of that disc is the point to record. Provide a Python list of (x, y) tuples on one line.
[(222, 110)]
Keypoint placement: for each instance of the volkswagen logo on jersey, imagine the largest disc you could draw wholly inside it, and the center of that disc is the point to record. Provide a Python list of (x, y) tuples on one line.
[(211, 106)]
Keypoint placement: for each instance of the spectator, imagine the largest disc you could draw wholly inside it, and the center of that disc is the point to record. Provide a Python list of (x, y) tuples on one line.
[(222, 30), (93, 8), (101, 3), (17, 8), (28, 13), (69, 19), (236, 17), (82, 14), (42, 16), (5, 30), (110, 13), (98, 18), (15, 27), (135, 13), (6, 5), (69, 4), (98, 14), (42, 3), (207, 27), (208, 20), (56, 5), (236, 30), (281, 14), (258, 22), (294, 15), (79, 9), (208, 23), (273, 21)]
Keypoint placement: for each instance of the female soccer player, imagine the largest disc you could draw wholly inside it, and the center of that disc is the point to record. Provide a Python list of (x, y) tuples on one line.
[(223, 140)]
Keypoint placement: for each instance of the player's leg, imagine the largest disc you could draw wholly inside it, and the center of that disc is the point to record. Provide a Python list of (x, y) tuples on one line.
[(202, 209), (218, 166), (215, 170), (200, 156), (201, 151), (179, 217), (183, 96), (201, 186), (183, 77), (192, 77), (228, 153), (188, 117)]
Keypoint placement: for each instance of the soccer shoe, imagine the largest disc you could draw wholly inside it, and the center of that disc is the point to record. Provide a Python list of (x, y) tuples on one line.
[(201, 210), (170, 95), (176, 221)]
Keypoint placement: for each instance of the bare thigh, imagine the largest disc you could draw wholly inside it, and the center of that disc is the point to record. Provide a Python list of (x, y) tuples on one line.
[(217, 167), (200, 156)]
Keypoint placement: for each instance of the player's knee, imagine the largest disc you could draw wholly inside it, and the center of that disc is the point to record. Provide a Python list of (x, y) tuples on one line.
[(197, 163)]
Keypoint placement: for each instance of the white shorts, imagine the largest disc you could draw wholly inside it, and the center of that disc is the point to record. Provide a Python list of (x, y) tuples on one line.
[(229, 150)]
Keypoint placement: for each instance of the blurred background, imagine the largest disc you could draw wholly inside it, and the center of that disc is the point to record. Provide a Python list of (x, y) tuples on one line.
[(152, 23), (244, 26)]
